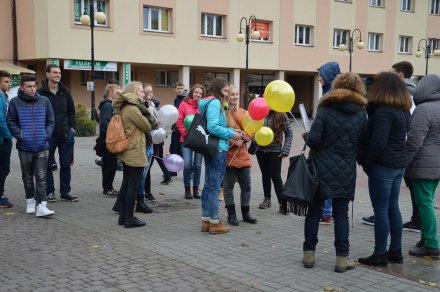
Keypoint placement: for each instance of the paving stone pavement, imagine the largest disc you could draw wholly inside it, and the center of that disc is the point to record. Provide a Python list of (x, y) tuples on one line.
[(83, 249)]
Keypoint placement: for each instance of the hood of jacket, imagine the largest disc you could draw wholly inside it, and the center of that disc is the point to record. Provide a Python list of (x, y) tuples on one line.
[(345, 100), (122, 98), (410, 85), (104, 101), (328, 71), (28, 98), (428, 89)]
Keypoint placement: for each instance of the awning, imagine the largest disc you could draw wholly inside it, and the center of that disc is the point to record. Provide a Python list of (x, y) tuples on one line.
[(14, 69)]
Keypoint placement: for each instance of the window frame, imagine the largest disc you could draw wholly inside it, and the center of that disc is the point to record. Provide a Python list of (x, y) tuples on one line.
[(434, 7), (379, 40), (408, 41), (310, 38), (345, 1), (167, 78), (433, 45), (83, 6), (347, 37), (409, 7), (377, 3), (262, 40), (204, 25), (149, 9)]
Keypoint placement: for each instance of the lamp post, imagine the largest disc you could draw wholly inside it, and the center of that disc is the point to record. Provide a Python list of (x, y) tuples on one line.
[(247, 36), (360, 45), (90, 20), (427, 50)]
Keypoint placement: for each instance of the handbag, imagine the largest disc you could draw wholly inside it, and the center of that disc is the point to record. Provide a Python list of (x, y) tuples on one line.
[(253, 147), (198, 137), (302, 183), (100, 146)]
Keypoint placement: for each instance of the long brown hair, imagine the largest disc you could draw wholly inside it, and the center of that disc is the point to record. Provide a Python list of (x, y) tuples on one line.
[(389, 90), (278, 120), (215, 89), (191, 92)]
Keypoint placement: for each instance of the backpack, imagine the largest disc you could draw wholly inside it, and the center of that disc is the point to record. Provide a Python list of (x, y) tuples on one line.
[(115, 140)]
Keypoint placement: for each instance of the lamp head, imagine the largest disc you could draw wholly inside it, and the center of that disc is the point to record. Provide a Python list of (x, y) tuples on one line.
[(437, 52), (85, 19), (418, 53), (360, 45), (240, 37), (342, 47), (100, 16), (255, 35)]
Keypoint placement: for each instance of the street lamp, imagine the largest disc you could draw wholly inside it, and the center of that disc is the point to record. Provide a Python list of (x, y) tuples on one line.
[(427, 50), (247, 36), (90, 20), (360, 45)]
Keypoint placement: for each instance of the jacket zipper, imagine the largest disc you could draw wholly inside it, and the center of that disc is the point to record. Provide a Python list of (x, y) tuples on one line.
[(33, 125)]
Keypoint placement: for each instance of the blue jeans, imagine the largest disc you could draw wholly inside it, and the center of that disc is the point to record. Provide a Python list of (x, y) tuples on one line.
[(141, 186), (5, 163), (65, 152), (327, 210), (384, 188), (191, 165), (340, 215), (214, 171)]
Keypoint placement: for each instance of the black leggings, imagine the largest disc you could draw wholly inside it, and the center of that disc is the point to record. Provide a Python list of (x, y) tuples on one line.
[(270, 166)]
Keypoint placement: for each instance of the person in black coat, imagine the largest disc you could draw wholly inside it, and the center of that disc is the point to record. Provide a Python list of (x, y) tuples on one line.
[(383, 156), (333, 138)]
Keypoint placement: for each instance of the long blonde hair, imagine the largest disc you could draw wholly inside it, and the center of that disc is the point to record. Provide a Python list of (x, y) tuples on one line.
[(231, 113), (131, 87)]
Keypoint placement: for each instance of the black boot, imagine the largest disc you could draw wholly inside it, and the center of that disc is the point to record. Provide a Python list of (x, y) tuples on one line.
[(121, 220), (395, 256), (246, 216), (188, 194), (116, 206), (196, 192), (375, 260), (232, 216), (141, 207), (131, 222), (283, 207)]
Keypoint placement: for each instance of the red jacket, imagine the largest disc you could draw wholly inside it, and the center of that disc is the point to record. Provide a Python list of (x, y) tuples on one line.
[(189, 107)]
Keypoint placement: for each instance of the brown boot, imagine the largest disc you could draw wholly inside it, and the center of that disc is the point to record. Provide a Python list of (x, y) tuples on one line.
[(343, 264), (205, 226), (218, 228), (196, 192), (188, 194), (309, 259)]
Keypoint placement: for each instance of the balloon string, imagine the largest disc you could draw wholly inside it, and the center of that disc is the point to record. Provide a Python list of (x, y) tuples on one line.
[(236, 151)]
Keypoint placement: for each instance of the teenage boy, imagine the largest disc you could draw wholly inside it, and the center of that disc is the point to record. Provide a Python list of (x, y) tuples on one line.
[(175, 146), (31, 121), (5, 137), (64, 132)]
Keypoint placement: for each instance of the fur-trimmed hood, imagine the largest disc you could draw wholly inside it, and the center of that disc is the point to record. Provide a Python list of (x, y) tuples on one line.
[(345, 100)]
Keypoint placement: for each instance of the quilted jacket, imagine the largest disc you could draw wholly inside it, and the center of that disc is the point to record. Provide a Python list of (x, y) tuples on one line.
[(333, 138), (424, 132)]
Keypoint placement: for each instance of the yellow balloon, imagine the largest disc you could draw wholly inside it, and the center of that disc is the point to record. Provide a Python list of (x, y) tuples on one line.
[(279, 96), (264, 136), (249, 125)]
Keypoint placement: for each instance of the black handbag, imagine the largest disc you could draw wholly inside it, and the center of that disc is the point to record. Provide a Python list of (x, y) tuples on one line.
[(302, 183), (253, 147), (100, 146), (198, 137)]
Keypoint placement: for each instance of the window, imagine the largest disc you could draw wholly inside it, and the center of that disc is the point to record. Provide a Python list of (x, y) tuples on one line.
[(157, 19), (433, 45), (209, 76), (407, 5), (374, 42), (377, 3), (166, 78), (263, 28), (212, 25), (434, 7), (347, 1), (303, 35), (405, 43), (340, 36), (83, 6)]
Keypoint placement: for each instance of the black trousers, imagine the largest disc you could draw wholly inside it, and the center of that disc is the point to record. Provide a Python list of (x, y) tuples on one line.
[(270, 166), (128, 192), (158, 152), (109, 162)]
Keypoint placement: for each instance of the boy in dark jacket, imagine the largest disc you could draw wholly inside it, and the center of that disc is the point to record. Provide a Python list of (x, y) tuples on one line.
[(31, 121)]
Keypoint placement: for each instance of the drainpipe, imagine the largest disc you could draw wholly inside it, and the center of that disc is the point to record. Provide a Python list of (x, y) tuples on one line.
[(14, 33)]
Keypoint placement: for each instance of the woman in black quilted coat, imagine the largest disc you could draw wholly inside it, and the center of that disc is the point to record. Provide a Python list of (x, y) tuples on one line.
[(333, 138)]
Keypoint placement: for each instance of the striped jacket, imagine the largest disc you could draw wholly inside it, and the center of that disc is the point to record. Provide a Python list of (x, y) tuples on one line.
[(31, 121)]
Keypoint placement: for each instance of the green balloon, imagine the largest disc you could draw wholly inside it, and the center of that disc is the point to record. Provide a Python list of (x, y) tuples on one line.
[(188, 121)]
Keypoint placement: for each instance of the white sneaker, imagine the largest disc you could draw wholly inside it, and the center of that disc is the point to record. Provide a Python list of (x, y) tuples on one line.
[(30, 206), (42, 210)]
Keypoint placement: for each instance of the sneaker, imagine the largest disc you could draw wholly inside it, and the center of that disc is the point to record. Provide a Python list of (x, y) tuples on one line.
[(30, 206), (150, 197), (51, 198), (53, 167), (411, 226), (423, 252), (265, 204), (98, 162), (368, 220), (69, 197), (326, 220), (111, 193), (43, 211), (4, 203), (166, 182)]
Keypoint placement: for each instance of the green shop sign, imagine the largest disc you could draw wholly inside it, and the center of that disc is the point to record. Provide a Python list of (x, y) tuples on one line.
[(87, 65)]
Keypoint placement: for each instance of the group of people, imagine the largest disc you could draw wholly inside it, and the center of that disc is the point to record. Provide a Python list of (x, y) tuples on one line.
[(382, 132), (41, 120)]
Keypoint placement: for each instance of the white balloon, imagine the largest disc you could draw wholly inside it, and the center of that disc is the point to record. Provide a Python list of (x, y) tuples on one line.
[(167, 115), (158, 135)]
